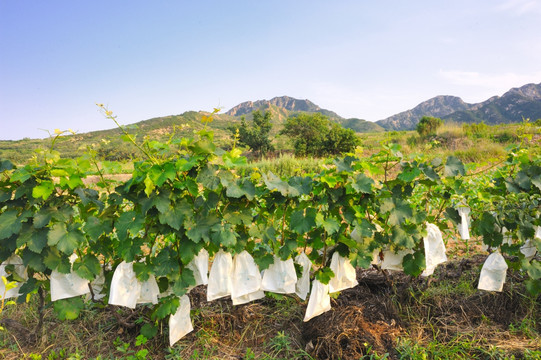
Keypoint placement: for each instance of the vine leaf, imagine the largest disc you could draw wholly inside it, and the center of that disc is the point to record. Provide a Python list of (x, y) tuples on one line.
[(68, 309), (66, 241), (303, 220), (87, 267), (453, 167)]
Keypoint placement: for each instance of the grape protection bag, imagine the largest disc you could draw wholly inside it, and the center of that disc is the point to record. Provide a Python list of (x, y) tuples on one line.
[(180, 323), (464, 226), (280, 277), (125, 288), (393, 261), (65, 286), (493, 273), (303, 283), (345, 276), (319, 301), (200, 267), (219, 282), (149, 291), (245, 279), (18, 267), (434, 249)]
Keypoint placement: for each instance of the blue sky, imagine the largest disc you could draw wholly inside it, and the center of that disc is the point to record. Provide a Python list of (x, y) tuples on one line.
[(145, 59)]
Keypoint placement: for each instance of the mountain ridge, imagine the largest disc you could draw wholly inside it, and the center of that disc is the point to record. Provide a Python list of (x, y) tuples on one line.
[(514, 105)]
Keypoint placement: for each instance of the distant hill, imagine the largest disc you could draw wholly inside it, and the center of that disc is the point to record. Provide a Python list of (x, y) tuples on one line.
[(511, 107), (284, 106)]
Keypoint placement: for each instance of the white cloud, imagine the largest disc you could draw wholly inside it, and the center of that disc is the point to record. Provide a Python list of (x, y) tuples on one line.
[(492, 81), (520, 7)]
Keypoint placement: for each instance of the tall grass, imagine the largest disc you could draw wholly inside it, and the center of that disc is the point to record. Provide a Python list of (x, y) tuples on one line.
[(286, 165)]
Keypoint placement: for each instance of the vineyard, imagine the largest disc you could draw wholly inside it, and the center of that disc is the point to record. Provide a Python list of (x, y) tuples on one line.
[(149, 240)]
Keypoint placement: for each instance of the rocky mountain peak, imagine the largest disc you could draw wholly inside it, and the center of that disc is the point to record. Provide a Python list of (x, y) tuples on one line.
[(284, 102)]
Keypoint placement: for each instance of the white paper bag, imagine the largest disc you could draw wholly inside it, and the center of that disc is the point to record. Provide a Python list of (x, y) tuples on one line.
[(256, 295), (345, 276), (393, 261), (97, 287), (245, 275), (434, 249), (319, 301), (376, 260), (464, 226), (149, 291), (219, 283), (493, 273), (200, 267), (19, 269), (303, 284), (65, 286), (528, 249), (280, 277), (180, 323), (125, 288)]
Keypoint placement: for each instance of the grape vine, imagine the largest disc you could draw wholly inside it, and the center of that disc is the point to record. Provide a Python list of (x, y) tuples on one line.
[(187, 195)]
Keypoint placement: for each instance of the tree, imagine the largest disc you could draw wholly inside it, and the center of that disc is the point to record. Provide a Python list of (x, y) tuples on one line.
[(428, 125), (315, 135), (256, 134)]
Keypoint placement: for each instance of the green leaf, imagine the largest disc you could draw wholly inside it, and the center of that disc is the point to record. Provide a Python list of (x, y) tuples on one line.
[(331, 225), (33, 260), (167, 306), (304, 220), (409, 174), (324, 275), (273, 182), (10, 224), (401, 237), (398, 210), (35, 239), (362, 184), (69, 309), (6, 165), (129, 221), (142, 270), (452, 214), (43, 217), (263, 260), (453, 167), (149, 185), (175, 214), (87, 267), (414, 263), (95, 227), (200, 229), (43, 190), (182, 284), (148, 330), (66, 241), (166, 262)]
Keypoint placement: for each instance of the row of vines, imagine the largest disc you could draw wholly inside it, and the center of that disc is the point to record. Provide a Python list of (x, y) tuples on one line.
[(188, 195)]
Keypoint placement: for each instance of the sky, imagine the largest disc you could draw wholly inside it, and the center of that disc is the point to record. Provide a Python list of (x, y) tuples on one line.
[(145, 59)]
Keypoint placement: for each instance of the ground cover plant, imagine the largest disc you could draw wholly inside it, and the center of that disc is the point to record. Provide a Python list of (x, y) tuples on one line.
[(187, 195)]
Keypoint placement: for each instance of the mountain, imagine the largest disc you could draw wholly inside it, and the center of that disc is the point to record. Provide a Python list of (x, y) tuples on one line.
[(282, 102), (511, 107), (284, 106), (438, 106)]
